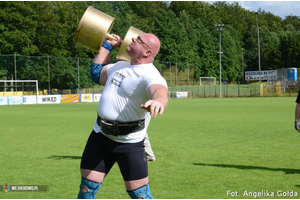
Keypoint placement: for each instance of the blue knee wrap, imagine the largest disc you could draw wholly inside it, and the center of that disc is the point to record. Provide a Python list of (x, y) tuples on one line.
[(142, 192), (88, 189)]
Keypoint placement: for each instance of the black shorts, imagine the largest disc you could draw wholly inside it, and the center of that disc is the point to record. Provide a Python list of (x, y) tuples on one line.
[(298, 97), (101, 153)]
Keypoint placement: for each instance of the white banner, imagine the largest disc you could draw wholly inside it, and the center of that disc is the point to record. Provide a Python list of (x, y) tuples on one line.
[(86, 97), (260, 75), (3, 100), (29, 100), (181, 94), (14, 100), (97, 97), (49, 99)]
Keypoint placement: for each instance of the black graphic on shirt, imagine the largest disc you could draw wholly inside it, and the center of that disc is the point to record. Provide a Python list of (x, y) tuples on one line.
[(117, 79)]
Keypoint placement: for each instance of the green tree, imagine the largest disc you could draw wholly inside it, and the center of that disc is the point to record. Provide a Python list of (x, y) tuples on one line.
[(289, 47), (18, 24), (272, 55), (172, 35), (231, 57), (197, 10), (292, 20)]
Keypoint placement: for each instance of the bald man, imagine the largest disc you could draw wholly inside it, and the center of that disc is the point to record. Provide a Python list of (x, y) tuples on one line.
[(133, 93)]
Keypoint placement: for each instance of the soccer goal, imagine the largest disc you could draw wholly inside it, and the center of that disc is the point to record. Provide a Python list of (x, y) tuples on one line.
[(207, 81), (19, 88)]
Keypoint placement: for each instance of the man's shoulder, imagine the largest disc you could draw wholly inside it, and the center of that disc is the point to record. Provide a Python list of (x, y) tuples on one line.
[(117, 65), (120, 63)]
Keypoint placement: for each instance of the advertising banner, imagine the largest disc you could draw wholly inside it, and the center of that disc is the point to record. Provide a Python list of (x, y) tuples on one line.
[(3, 100), (86, 98), (260, 75), (73, 98), (181, 94), (14, 100), (29, 100), (49, 99), (97, 97)]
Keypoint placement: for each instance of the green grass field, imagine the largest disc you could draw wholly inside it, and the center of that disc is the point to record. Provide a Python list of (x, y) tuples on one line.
[(208, 148)]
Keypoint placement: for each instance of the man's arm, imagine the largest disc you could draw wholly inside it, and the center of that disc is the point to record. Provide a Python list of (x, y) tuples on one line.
[(158, 102), (103, 57)]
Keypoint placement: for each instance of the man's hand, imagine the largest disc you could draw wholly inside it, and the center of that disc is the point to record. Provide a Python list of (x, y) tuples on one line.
[(297, 126), (115, 43), (154, 107)]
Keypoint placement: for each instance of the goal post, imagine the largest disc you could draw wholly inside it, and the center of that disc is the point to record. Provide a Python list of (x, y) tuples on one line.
[(9, 88), (207, 81)]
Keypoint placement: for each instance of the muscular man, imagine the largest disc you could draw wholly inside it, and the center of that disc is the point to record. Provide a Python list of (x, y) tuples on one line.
[(133, 93)]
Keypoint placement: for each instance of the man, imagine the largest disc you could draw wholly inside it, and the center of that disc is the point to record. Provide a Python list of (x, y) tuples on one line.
[(133, 93), (148, 149), (297, 113)]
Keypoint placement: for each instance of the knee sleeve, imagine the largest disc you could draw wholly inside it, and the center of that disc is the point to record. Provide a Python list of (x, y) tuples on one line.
[(88, 189), (141, 193)]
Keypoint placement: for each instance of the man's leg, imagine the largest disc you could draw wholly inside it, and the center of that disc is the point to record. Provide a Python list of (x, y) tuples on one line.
[(95, 164), (88, 189), (138, 189), (133, 165), (148, 149)]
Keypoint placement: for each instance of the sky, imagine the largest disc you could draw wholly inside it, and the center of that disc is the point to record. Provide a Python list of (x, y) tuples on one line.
[(278, 8)]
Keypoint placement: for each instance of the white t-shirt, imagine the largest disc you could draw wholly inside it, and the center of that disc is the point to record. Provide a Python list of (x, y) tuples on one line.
[(123, 94)]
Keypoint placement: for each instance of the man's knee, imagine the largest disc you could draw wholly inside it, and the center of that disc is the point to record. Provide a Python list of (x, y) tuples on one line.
[(88, 189), (141, 193)]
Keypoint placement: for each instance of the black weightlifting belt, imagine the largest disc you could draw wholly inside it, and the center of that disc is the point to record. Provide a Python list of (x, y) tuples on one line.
[(120, 128)]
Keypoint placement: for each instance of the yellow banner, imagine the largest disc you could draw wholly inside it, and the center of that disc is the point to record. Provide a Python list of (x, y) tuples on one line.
[(74, 98)]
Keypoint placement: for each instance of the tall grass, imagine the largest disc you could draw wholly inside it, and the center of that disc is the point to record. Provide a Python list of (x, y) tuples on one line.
[(206, 148)]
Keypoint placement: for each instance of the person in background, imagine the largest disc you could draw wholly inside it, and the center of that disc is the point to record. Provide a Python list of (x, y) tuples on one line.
[(297, 113), (148, 149), (134, 92)]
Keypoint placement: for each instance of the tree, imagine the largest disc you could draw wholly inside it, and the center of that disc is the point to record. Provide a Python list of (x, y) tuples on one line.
[(172, 35), (292, 20), (18, 24), (289, 47), (231, 57), (272, 55)]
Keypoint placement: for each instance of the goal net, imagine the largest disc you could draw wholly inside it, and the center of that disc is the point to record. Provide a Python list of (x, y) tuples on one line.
[(180, 94), (207, 81), (19, 88)]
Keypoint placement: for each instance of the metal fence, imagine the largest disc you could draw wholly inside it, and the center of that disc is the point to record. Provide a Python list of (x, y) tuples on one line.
[(214, 90), (74, 72), (51, 71)]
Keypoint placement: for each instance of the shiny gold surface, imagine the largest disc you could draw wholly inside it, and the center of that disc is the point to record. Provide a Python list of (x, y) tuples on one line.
[(93, 28), (122, 53)]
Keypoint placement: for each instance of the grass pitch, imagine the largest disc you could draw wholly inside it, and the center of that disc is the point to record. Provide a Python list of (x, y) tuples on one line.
[(208, 148)]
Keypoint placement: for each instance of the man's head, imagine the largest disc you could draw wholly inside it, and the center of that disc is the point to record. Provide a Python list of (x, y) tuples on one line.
[(143, 48)]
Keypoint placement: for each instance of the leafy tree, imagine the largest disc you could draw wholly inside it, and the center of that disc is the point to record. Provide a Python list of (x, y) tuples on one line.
[(206, 64), (251, 47), (18, 23), (231, 57), (172, 35), (40, 29), (289, 47), (292, 20), (272, 55), (197, 10)]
